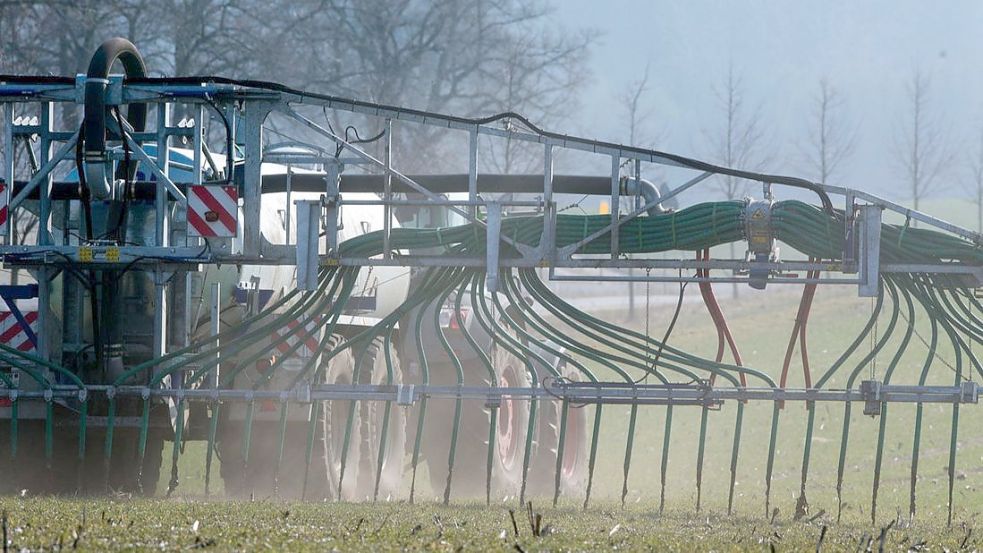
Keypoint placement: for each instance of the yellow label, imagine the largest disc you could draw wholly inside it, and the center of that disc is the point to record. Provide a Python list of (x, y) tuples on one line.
[(85, 254), (331, 262), (112, 254)]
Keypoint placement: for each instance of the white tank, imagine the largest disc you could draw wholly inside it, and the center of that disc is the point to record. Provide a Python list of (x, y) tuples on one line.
[(377, 292)]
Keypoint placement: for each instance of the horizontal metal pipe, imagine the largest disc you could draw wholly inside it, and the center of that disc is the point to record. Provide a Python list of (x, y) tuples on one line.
[(601, 392), (438, 184)]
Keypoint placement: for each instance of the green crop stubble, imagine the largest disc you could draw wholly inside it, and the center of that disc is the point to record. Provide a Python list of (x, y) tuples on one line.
[(91, 525)]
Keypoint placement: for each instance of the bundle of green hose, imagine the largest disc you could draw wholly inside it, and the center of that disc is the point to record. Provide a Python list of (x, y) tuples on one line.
[(815, 233)]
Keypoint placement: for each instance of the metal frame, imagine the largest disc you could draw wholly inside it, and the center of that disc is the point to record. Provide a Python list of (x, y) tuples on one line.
[(248, 109)]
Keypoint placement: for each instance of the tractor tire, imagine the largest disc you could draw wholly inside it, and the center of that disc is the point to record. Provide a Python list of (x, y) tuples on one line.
[(469, 478), (573, 467), (374, 370)]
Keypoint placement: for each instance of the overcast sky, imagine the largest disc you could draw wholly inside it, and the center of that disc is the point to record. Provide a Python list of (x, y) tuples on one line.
[(868, 50)]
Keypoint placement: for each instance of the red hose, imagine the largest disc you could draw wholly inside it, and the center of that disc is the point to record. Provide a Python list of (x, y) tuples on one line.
[(719, 321), (799, 332), (707, 292)]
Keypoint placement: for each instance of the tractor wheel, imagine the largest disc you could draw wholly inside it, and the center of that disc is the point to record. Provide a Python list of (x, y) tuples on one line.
[(573, 466), (375, 370), (471, 456)]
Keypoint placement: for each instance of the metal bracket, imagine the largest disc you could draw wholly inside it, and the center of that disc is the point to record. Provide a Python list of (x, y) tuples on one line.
[(491, 249), (405, 394), (493, 402), (969, 392), (308, 231), (332, 205), (871, 391), (870, 254)]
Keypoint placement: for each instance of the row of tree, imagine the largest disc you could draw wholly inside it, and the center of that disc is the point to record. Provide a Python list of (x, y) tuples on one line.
[(467, 57), (923, 155)]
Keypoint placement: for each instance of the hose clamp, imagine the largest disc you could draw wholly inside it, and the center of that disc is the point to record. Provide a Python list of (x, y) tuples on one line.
[(757, 226), (761, 243)]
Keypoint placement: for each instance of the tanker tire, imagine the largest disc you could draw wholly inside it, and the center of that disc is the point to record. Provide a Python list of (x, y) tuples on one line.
[(65, 474), (263, 477)]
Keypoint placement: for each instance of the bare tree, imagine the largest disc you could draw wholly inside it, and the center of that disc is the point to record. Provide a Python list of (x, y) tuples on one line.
[(921, 146), (831, 139), (738, 142), (976, 188), (632, 104), (636, 117), (467, 57)]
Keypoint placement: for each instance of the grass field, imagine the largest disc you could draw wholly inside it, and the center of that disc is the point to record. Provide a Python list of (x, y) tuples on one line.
[(94, 525), (761, 322)]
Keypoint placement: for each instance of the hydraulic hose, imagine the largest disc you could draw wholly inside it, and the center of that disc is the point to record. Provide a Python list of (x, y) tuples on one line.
[(94, 122)]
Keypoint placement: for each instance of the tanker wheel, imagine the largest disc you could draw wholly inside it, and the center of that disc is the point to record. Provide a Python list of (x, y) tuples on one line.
[(29, 469), (65, 473), (125, 473), (265, 473), (573, 466), (471, 456), (374, 370)]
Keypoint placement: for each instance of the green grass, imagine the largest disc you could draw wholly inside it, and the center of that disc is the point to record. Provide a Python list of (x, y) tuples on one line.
[(188, 524)]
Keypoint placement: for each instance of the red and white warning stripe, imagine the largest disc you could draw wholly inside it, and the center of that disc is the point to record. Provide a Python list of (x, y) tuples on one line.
[(307, 336), (12, 333), (213, 211), (4, 211)]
